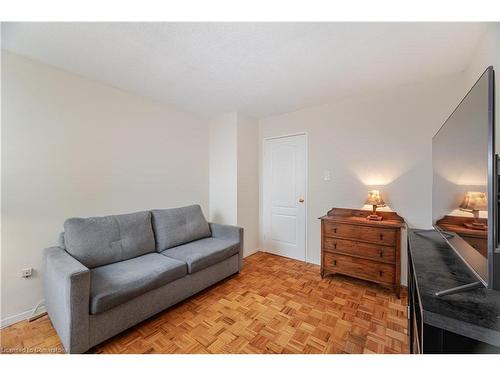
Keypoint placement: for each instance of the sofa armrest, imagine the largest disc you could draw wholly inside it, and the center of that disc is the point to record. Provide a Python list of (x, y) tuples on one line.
[(67, 293), (231, 233)]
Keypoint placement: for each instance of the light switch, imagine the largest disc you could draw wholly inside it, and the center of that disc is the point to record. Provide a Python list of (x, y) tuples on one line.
[(326, 175)]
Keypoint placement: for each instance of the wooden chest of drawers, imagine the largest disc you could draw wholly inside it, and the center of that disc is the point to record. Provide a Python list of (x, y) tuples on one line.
[(354, 246)]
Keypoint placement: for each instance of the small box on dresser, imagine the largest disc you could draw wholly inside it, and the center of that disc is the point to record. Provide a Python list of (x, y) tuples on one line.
[(354, 246)]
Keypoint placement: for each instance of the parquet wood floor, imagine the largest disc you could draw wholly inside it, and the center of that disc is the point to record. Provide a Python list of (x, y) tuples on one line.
[(276, 305)]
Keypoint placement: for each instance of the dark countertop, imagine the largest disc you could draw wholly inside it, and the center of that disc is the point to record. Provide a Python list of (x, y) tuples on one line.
[(474, 314)]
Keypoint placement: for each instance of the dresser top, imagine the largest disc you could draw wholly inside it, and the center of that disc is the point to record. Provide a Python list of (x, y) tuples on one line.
[(354, 216), (436, 267), (456, 224)]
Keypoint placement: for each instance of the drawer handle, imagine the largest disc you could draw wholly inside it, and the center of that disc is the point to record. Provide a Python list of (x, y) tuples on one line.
[(334, 262), (334, 230), (381, 273), (381, 235), (381, 253), (335, 246)]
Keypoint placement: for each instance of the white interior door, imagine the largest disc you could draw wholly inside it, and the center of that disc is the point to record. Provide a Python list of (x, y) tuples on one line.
[(284, 196)]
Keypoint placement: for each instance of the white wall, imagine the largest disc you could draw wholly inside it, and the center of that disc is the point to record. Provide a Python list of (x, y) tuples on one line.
[(248, 181), (74, 147), (234, 175), (223, 169), (378, 140), (487, 52)]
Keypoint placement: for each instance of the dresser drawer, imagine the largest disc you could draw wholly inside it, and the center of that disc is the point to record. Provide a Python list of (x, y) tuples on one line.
[(382, 236), (336, 244), (376, 252), (357, 267)]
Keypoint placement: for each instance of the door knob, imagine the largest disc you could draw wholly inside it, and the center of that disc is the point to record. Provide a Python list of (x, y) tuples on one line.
[(301, 200)]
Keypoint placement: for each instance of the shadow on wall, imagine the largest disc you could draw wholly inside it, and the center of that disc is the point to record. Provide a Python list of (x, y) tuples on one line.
[(217, 218)]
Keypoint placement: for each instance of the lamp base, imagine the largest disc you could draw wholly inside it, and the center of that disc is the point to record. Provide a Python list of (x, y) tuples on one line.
[(374, 217), (476, 226)]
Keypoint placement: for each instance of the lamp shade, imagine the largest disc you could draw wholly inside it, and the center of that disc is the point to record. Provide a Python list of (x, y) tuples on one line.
[(374, 199), (474, 200)]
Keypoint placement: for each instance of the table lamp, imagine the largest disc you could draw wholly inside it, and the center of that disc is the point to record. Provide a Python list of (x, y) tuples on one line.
[(474, 202), (375, 200)]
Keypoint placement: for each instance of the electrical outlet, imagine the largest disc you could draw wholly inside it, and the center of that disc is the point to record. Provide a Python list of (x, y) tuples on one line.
[(26, 272)]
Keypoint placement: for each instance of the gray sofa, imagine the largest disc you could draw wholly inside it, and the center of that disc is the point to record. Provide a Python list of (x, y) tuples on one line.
[(110, 273)]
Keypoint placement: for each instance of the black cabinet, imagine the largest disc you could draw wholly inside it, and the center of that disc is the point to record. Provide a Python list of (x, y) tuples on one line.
[(415, 312), (468, 322)]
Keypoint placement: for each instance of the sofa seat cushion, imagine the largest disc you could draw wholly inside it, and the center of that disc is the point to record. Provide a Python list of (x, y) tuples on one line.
[(177, 226), (114, 284), (97, 241), (203, 253)]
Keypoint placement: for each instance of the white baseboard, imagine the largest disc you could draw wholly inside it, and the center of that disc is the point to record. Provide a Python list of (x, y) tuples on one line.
[(18, 317)]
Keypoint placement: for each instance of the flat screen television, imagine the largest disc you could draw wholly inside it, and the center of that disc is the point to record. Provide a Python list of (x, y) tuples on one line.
[(465, 182)]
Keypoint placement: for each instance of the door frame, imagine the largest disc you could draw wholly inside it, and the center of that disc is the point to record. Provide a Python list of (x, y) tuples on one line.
[(304, 133)]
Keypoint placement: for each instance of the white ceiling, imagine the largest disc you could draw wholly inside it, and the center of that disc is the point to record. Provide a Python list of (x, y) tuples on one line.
[(260, 69)]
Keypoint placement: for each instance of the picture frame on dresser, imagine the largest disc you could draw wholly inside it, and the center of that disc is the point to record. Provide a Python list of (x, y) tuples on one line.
[(369, 250)]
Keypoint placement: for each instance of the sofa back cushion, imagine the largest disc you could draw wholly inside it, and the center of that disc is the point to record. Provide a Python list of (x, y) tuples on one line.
[(97, 241), (177, 226)]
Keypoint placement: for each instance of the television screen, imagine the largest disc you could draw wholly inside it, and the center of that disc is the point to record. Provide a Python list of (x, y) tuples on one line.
[(461, 153)]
